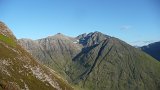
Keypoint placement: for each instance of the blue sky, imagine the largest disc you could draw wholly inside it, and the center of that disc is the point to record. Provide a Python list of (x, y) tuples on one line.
[(130, 20)]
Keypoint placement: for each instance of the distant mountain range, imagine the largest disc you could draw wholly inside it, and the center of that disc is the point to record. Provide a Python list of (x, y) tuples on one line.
[(152, 49), (20, 71), (96, 61), (141, 43)]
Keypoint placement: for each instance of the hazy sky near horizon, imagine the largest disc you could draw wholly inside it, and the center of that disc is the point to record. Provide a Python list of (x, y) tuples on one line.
[(129, 20)]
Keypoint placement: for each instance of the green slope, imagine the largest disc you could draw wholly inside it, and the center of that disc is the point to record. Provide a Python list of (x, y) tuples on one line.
[(19, 70), (115, 65)]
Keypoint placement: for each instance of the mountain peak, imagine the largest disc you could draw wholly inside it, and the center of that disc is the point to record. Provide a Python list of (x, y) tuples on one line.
[(97, 32), (59, 34), (81, 36), (92, 38)]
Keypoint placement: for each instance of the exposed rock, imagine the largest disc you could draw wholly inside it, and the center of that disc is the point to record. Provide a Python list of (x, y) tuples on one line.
[(92, 39)]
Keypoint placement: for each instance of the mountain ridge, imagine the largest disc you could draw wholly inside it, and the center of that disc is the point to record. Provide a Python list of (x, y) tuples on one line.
[(103, 62), (87, 62), (58, 49)]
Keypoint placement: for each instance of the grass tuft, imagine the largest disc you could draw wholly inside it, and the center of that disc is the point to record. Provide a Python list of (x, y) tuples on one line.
[(7, 40)]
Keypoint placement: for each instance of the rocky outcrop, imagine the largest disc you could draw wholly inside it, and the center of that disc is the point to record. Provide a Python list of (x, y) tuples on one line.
[(92, 38)]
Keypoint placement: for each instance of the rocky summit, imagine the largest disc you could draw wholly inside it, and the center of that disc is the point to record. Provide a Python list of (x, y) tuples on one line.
[(20, 71), (96, 61)]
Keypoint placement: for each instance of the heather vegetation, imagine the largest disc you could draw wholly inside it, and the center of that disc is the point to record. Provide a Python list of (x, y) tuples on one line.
[(19, 70)]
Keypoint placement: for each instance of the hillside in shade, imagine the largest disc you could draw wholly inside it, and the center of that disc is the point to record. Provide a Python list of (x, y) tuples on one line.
[(20, 71), (153, 49), (96, 61)]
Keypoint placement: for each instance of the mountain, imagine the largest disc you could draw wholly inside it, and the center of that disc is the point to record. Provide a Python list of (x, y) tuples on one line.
[(54, 51), (98, 62), (20, 71), (114, 65), (142, 43), (91, 38), (153, 49), (58, 51)]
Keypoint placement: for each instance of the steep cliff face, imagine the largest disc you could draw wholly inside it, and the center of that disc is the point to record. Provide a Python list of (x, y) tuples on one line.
[(96, 61), (19, 70)]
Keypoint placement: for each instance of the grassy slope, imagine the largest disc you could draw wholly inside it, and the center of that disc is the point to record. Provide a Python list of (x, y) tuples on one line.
[(7, 40), (17, 58), (114, 65)]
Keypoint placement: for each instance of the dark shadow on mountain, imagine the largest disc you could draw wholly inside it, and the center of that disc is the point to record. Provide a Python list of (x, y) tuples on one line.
[(85, 50)]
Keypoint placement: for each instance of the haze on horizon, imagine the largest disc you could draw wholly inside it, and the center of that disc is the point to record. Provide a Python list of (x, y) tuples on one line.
[(133, 21)]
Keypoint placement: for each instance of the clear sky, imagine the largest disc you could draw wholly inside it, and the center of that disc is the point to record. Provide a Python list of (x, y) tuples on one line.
[(129, 20)]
